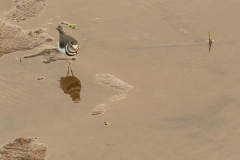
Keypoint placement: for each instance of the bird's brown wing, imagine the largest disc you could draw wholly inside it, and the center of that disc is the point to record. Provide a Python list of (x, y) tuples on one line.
[(65, 39)]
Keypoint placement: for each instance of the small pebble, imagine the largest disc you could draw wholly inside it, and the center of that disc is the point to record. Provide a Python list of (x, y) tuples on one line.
[(19, 59), (40, 78)]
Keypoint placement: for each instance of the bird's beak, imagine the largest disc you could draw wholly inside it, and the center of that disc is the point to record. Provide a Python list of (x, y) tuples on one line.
[(76, 49)]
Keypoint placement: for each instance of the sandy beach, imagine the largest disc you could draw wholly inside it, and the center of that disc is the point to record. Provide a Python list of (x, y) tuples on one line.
[(144, 68)]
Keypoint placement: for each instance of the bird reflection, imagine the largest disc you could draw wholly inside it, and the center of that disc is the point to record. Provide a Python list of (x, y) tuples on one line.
[(71, 85)]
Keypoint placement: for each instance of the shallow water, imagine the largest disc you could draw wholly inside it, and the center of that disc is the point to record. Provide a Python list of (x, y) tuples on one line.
[(184, 102)]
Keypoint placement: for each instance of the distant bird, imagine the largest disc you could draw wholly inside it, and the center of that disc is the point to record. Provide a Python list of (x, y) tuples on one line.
[(67, 44)]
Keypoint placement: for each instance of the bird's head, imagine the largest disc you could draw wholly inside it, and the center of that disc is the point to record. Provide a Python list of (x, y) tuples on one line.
[(74, 46), (60, 29)]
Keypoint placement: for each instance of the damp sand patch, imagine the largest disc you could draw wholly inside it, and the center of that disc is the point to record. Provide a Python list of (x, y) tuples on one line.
[(25, 9), (24, 149), (49, 54), (115, 83), (13, 38)]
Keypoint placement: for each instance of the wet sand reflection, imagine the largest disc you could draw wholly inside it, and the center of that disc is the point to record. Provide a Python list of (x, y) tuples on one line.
[(71, 85)]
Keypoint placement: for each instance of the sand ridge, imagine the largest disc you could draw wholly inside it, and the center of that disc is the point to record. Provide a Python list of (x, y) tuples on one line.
[(113, 82), (13, 38), (25, 9), (24, 149)]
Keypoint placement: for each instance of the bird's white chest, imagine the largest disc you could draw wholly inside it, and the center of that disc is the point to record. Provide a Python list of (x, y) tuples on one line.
[(62, 50)]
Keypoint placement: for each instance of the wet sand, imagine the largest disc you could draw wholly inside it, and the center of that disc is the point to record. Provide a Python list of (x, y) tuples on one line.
[(184, 101)]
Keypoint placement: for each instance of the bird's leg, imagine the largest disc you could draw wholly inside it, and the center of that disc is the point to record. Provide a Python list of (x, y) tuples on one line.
[(69, 65), (70, 70), (69, 62)]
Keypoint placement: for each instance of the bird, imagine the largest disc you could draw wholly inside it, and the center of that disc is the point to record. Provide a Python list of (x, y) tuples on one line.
[(67, 45)]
